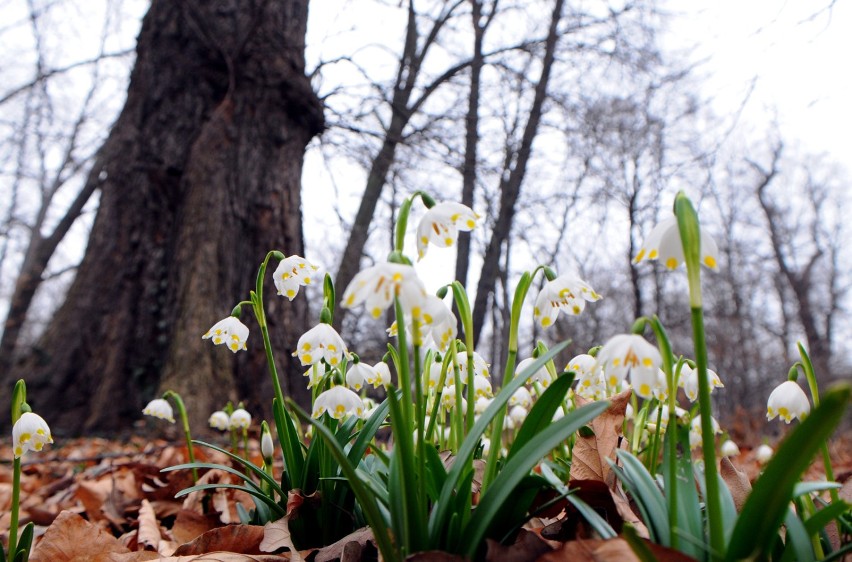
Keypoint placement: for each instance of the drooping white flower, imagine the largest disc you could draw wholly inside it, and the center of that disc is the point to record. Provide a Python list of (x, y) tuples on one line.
[(321, 342), (628, 353), (680, 413), (695, 437), (160, 408), (729, 449), (438, 323), (435, 376), (294, 272), (521, 397), (448, 399), (383, 375), (229, 331), (646, 382), (763, 453), (481, 404), (482, 387), (688, 381), (240, 419), (566, 293), (377, 286), (664, 243), (219, 420), (788, 401), (360, 374), (338, 402), (518, 414), (266, 446), (30, 433), (315, 375), (441, 224), (542, 376), (480, 367)]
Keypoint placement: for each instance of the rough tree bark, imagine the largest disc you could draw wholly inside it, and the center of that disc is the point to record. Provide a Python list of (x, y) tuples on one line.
[(199, 178)]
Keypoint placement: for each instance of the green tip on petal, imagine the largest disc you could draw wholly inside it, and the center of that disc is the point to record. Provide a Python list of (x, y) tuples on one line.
[(549, 273), (427, 200)]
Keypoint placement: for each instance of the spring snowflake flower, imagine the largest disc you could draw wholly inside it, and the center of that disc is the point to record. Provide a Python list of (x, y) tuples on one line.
[(628, 353), (219, 420), (240, 419), (435, 376), (441, 224), (518, 414), (567, 293), (480, 367), (382, 375), (30, 433), (482, 387), (763, 453), (680, 413), (688, 381), (521, 397), (729, 449), (160, 408), (267, 448), (664, 243), (229, 331), (448, 399), (695, 439), (590, 381), (314, 374), (360, 374), (649, 384), (321, 342), (788, 401), (542, 376), (338, 402), (376, 287), (481, 404), (294, 272), (438, 322)]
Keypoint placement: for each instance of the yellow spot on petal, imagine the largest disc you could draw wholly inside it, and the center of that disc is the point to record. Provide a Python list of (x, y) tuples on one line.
[(39, 431), (307, 281), (306, 346), (671, 263), (306, 358), (613, 380), (644, 389), (536, 312), (291, 293), (18, 451), (545, 322), (652, 255), (576, 309), (639, 256), (424, 239), (331, 347), (235, 346), (217, 340), (38, 446), (471, 223), (415, 312), (376, 312), (784, 413), (448, 241), (350, 299), (333, 361), (710, 262), (397, 277), (24, 438), (647, 362), (616, 362), (340, 409)]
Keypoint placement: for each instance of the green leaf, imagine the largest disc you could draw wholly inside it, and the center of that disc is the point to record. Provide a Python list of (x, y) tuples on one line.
[(541, 414), (598, 523), (229, 470), (25, 543), (519, 466), (825, 516), (766, 506), (291, 445), (798, 543), (647, 494), (436, 474), (279, 511), (688, 517), (802, 488), (251, 466), (441, 511), (637, 545)]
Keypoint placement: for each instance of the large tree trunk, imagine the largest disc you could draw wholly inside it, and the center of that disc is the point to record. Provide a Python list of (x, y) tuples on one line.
[(200, 177)]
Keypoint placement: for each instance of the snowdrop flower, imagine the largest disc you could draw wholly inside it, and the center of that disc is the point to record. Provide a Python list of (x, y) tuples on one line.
[(628, 353), (542, 376), (664, 243), (521, 397), (229, 331), (358, 374), (518, 414), (294, 272), (160, 408), (30, 433), (788, 401), (240, 419), (376, 287), (441, 224), (688, 381), (321, 342), (763, 453), (219, 420), (695, 439), (567, 293), (729, 449), (338, 402)]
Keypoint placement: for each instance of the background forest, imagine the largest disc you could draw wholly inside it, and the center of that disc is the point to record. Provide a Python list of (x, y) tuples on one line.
[(569, 126)]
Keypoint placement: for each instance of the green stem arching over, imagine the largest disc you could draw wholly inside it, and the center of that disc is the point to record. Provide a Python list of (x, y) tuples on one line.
[(19, 399)]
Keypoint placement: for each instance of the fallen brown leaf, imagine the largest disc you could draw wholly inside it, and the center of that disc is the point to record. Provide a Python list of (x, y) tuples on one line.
[(189, 525), (526, 548), (337, 550), (611, 550), (148, 535), (590, 454), (71, 537), (737, 482), (241, 539)]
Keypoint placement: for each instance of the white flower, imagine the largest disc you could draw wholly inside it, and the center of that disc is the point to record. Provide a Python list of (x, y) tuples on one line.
[(438, 322), (321, 342), (763, 453), (729, 449), (448, 399), (518, 414), (688, 381), (590, 381), (435, 376), (219, 420), (695, 438), (377, 286), (229, 331), (240, 419), (788, 401), (480, 367), (521, 397), (567, 293), (294, 272), (481, 404), (383, 375), (647, 383), (338, 402), (482, 387), (314, 374), (359, 374), (680, 413), (30, 433), (160, 408), (664, 243), (628, 353), (542, 376), (441, 224)]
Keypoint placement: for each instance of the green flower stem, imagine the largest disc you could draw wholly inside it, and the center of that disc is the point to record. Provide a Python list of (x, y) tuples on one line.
[(420, 410), (403, 367), (184, 420), (260, 314), (810, 375), (708, 442), (16, 501)]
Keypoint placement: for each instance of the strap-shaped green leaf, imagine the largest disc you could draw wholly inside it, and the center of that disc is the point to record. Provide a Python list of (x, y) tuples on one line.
[(541, 414), (647, 494)]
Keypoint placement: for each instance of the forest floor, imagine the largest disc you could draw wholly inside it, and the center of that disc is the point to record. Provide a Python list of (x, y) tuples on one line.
[(101, 499)]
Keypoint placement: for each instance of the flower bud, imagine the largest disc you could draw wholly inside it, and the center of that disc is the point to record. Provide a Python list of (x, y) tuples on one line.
[(266, 446)]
